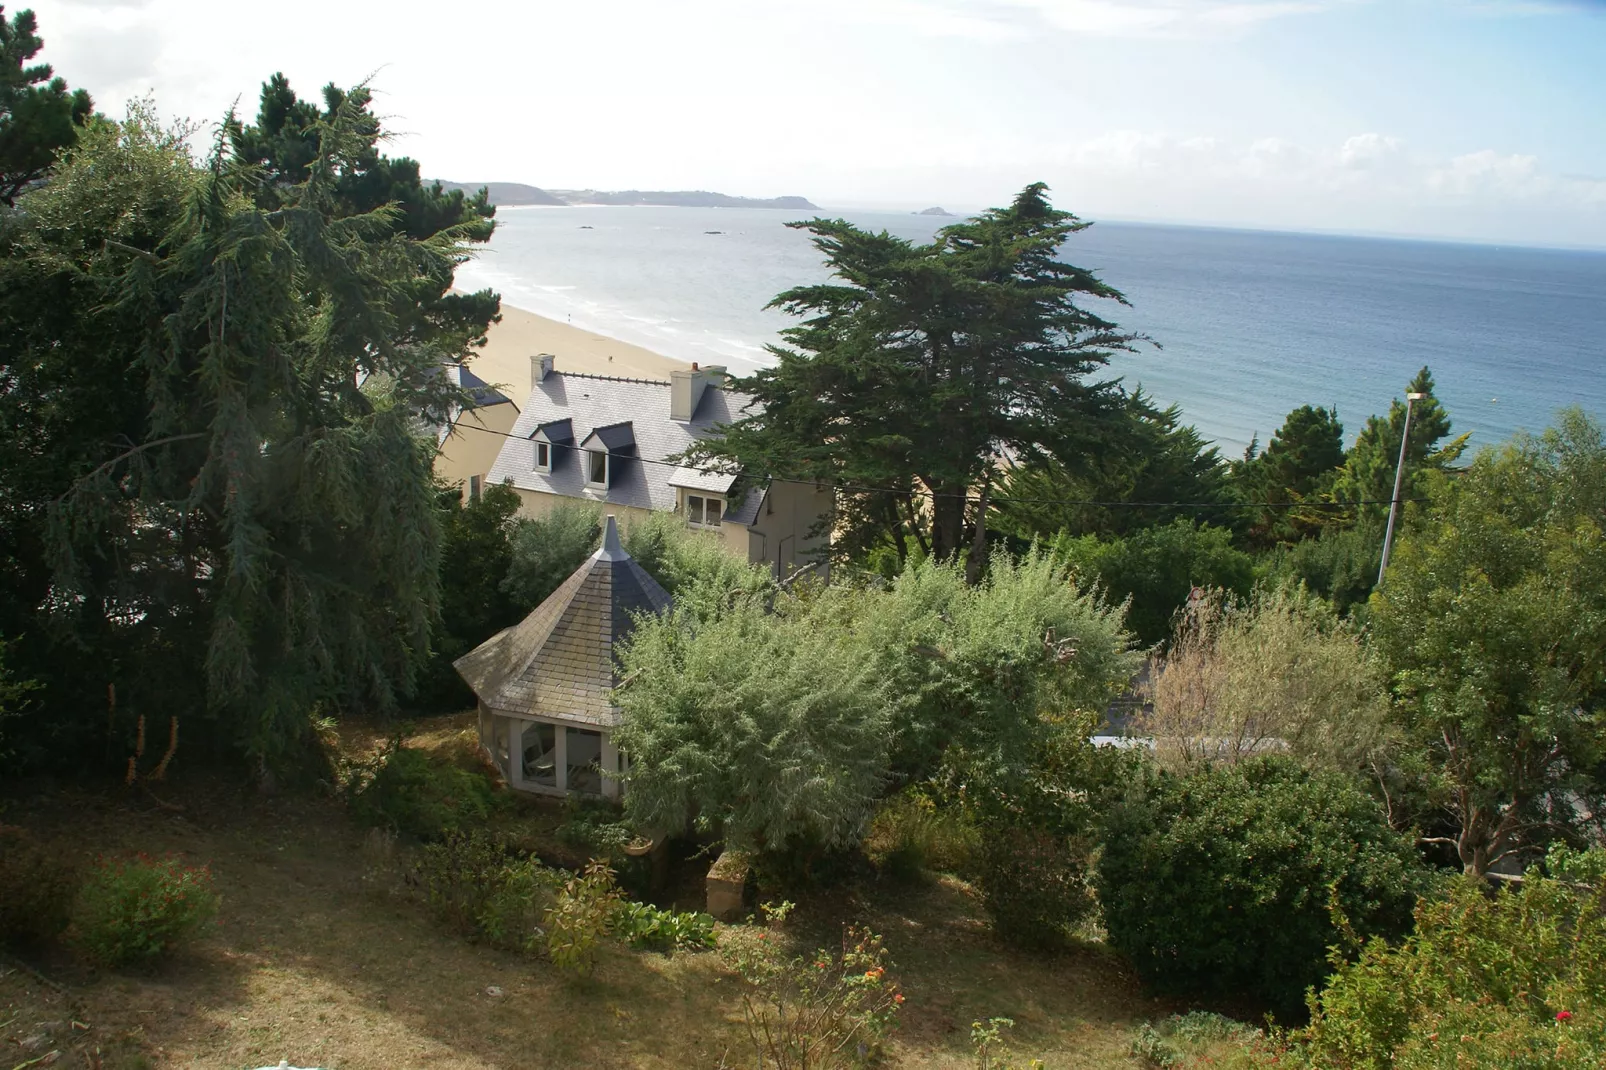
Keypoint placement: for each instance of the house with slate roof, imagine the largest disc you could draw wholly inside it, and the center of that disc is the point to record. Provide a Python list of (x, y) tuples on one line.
[(472, 436), (612, 441), (545, 686)]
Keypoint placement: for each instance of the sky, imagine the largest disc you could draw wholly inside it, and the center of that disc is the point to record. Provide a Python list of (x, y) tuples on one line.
[(1477, 120)]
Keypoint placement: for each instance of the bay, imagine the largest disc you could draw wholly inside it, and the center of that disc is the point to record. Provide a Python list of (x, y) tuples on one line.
[(1250, 324)]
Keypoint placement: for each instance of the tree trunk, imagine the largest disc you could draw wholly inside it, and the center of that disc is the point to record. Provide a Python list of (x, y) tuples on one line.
[(947, 521), (977, 564)]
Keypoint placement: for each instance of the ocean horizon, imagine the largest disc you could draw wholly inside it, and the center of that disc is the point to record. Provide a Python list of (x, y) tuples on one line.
[(1249, 323)]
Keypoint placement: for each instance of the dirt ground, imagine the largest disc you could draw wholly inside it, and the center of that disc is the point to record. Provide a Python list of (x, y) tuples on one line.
[(311, 965)]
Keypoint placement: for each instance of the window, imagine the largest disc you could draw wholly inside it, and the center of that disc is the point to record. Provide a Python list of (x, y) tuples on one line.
[(596, 468), (539, 754), (543, 457), (584, 761), (703, 511), (473, 489)]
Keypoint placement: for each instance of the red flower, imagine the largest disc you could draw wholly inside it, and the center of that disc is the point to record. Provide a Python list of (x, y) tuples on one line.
[(1564, 1016)]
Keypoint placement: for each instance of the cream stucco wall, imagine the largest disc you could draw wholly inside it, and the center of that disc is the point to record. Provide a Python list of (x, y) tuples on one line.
[(536, 504), (475, 440), (778, 537), (780, 534)]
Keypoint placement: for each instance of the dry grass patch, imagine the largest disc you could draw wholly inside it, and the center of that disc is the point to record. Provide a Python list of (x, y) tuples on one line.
[(309, 964)]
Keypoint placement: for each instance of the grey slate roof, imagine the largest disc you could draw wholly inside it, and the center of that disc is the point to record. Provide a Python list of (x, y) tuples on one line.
[(593, 402), (697, 479), (614, 437), (558, 661), (556, 430), (482, 394)]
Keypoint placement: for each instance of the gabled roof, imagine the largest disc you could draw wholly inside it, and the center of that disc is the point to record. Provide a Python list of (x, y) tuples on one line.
[(558, 661), (481, 393), (591, 402), (698, 479), (614, 437), (555, 431)]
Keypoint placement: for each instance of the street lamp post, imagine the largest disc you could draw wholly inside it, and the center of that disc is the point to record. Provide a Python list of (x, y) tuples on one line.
[(1399, 478)]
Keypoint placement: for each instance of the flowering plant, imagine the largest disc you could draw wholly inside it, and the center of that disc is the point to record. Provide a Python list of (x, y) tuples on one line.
[(814, 1012), (134, 910)]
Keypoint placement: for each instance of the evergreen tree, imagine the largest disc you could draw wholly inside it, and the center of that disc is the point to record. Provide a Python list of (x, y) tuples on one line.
[(287, 143), (211, 455), (920, 367), (1150, 456), (1368, 474), (38, 116), (1298, 465)]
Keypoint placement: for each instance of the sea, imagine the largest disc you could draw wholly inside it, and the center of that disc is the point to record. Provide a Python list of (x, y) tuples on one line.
[(1245, 325)]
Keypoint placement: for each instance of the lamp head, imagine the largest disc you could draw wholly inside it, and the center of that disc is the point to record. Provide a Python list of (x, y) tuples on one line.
[(1414, 396)]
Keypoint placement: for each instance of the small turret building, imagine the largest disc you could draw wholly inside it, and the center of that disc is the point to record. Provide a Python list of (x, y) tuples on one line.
[(545, 686)]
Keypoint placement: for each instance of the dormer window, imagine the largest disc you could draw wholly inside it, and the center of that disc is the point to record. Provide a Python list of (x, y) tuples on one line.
[(602, 446), (703, 511), (545, 441), (596, 468)]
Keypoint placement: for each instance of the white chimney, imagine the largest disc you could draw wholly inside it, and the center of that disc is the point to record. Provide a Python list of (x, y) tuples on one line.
[(541, 367), (686, 389)]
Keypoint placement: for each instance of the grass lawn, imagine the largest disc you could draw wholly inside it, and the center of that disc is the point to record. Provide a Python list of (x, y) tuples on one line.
[(309, 964)]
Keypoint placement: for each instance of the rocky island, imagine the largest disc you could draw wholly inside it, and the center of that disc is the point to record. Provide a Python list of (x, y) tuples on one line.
[(934, 211)]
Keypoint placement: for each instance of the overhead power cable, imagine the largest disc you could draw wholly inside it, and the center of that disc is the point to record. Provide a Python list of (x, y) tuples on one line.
[(971, 496)]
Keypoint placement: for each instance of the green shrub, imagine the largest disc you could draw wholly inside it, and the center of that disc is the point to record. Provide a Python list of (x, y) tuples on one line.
[(598, 828), (1221, 879), (36, 890), (136, 910), (1512, 980), (1037, 830), (471, 883), (824, 1011), (1157, 568), (403, 790), (988, 1045), (580, 916), (1196, 1039), (911, 834), (648, 928), (1035, 884)]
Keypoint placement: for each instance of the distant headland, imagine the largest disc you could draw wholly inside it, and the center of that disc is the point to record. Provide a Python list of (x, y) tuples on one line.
[(515, 194), (933, 211)]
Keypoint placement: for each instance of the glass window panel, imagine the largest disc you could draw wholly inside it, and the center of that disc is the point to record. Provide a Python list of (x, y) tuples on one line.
[(694, 509), (599, 468), (712, 515), (585, 761), (543, 455), (539, 743)]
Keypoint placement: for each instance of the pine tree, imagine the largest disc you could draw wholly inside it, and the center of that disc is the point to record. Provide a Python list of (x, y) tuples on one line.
[(38, 116), (1368, 473), (922, 367), (1298, 465)]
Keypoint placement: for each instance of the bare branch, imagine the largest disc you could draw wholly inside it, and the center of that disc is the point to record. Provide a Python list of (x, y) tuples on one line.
[(125, 455)]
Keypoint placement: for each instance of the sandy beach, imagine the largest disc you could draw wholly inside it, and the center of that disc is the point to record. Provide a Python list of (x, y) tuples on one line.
[(505, 360)]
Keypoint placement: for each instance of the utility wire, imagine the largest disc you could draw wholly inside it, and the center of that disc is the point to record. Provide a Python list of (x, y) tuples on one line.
[(994, 498)]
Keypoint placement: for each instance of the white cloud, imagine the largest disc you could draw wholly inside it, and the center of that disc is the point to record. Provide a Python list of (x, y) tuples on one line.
[(1487, 172), (1139, 18), (1368, 151)]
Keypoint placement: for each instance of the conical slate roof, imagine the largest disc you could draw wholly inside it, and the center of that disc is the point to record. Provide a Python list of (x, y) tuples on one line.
[(558, 661)]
